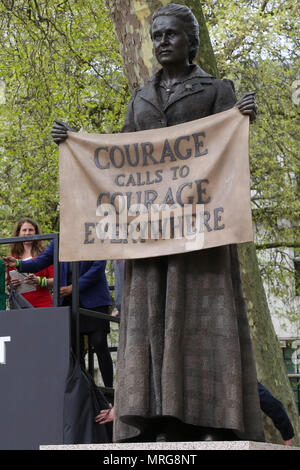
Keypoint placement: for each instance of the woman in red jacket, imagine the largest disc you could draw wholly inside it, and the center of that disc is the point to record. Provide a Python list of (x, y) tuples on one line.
[(43, 280)]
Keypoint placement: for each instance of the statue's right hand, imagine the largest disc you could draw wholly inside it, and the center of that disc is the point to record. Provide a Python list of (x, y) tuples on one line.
[(9, 261), (59, 131)]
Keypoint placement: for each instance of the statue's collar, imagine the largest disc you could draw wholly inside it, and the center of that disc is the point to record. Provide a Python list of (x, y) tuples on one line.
[(195, 71), (149, 91)]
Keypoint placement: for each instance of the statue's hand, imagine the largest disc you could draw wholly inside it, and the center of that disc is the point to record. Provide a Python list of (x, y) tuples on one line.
[(247, 105), (59, 131)]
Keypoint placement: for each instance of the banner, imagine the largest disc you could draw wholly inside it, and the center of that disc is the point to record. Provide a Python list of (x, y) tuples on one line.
[(156, 192)]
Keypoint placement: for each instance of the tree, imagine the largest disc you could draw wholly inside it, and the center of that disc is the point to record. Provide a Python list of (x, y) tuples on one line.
[(132, 24), (262, 56), (57, 60)]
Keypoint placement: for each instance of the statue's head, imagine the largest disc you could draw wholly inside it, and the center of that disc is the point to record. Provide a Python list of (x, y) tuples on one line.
[(188, 21)]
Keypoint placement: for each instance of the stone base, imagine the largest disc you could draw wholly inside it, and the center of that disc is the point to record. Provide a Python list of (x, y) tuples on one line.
[(174, 446)]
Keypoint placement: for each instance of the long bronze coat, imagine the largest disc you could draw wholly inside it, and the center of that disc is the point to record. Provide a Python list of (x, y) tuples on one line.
[(184, 348)]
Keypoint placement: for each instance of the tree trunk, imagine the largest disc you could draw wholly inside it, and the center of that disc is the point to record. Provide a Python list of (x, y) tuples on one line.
[(132, 19), (269, 361)]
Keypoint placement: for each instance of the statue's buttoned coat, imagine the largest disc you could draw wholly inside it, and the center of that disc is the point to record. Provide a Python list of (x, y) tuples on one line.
[(197, 96), (184, 346)]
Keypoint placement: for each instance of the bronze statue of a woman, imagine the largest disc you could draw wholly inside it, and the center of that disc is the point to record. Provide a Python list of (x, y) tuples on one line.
[(185, 366)]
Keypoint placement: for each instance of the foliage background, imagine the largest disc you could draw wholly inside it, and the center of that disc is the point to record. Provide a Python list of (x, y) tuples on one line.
[(58, 60)]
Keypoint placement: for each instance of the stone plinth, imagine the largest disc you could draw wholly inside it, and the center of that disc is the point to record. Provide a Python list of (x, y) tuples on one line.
[(174, 446)]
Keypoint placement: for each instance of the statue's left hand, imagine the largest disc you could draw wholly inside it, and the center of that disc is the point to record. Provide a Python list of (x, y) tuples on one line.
[(247, 105)]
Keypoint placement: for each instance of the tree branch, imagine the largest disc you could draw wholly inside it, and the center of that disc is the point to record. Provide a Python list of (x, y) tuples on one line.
[(265, 246), (264, 4)]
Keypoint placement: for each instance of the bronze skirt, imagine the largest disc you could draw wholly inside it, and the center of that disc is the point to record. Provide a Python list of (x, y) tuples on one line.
[(185, 351)]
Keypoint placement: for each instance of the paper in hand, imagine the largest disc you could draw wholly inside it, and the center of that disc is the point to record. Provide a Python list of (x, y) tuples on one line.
[(23, 288)]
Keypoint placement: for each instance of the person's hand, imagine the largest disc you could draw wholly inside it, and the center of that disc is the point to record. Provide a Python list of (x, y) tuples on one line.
[(31, 279), (247, 105), (15, 283), (289, 442), (105, 416), (59, 131), (9, 261), (66, 290)]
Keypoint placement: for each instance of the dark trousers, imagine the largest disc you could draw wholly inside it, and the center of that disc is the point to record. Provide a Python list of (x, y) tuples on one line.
[(97, 331)]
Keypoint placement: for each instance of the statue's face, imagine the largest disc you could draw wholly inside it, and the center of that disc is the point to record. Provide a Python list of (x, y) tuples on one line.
[(170, 41)]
